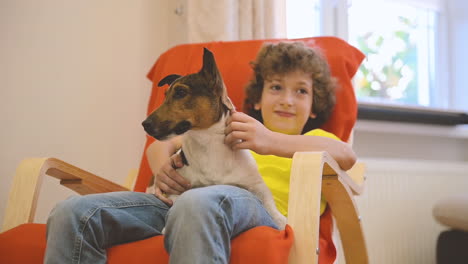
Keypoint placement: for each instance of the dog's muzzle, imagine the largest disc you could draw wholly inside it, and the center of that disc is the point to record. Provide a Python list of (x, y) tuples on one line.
[(156, 131), (162, 130), (148, 126), (182, 127)]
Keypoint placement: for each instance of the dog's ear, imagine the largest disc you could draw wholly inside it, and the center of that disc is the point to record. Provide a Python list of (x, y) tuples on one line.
[(211, 71), (209, 65), (169, 79)]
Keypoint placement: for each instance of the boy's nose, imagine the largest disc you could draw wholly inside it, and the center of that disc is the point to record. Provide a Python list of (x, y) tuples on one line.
[(287, 99)]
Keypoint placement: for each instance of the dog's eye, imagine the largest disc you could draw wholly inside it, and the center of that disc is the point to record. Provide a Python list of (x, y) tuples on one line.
[(180, 93)]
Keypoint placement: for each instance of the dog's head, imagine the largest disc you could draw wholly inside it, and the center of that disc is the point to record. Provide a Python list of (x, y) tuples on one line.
[(194, 101)]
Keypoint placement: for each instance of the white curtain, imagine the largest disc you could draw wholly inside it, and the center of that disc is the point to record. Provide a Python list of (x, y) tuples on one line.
[(216, 20)]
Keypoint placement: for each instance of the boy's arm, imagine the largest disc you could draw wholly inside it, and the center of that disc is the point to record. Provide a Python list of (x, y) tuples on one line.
[(159, 152), (286, 145), (163, 162), (245, 132)]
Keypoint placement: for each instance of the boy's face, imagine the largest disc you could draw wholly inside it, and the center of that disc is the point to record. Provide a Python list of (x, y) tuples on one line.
[(286, 102)]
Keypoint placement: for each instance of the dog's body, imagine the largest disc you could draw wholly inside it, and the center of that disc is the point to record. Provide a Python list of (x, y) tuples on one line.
[(212, 162), (208, 160)]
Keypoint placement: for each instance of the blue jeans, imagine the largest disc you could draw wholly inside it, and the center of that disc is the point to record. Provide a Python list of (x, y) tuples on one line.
[(199, 227)]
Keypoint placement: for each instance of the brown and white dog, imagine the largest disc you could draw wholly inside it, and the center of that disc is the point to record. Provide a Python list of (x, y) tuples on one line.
[(197, 106)]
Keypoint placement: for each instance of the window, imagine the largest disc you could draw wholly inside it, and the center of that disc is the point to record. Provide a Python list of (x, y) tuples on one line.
[(410, 45), (398, 40), (303, 18)]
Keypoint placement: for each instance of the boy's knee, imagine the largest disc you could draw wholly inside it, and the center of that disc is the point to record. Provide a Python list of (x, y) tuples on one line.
[(192, 201), (68, 210), (206, 201), (196, 204)]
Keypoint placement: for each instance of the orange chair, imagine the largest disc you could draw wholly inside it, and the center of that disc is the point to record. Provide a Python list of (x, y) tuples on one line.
[(312, 173)]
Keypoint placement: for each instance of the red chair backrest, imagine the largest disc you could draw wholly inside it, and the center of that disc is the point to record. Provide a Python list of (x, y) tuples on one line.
[(233, 60)]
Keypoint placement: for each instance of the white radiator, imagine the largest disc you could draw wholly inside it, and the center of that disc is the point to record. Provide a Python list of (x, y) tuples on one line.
[(396, 207)]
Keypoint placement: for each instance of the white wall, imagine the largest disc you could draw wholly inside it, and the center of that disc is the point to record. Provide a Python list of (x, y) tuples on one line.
[(73, 85), (421, 142), (409, 168)]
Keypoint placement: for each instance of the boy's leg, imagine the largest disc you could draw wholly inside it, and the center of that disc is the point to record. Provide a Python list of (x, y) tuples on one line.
[(79, 229), (203, 221)]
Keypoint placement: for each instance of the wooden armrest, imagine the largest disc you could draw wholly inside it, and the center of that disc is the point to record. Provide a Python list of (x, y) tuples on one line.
[(313, 174), (22, 201), (79, 180)]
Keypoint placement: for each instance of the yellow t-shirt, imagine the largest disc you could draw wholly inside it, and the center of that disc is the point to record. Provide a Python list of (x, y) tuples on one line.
[(276, 172)]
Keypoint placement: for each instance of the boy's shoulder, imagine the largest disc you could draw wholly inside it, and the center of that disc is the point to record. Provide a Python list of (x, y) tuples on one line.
[(321, 133)]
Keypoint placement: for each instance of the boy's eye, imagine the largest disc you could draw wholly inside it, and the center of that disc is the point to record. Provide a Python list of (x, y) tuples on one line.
[(275, 87), (302, 91)]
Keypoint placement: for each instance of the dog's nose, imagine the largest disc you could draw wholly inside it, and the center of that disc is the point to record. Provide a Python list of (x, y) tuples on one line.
[(147, 124)]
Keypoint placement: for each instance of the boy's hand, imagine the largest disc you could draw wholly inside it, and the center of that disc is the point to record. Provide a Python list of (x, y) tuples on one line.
[(169, 181), (245, 132)]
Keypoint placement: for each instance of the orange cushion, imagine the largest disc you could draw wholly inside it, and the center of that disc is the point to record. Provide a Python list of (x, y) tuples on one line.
[(326, 246), (262, 245), (23, 244), (26, 244), (249, 247)]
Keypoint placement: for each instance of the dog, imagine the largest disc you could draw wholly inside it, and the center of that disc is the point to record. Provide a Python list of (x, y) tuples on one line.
[(197, 106)]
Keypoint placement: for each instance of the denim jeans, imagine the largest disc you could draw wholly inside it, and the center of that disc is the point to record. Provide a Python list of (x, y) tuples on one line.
[(199, 226)]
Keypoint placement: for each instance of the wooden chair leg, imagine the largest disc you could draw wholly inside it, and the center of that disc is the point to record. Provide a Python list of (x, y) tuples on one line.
[(344, 210)]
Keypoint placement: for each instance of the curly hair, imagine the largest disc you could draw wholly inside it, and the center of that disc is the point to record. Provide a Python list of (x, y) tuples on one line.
[(286, 57)]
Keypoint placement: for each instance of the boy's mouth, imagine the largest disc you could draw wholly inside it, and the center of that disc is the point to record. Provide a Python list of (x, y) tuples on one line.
[(284, 114)]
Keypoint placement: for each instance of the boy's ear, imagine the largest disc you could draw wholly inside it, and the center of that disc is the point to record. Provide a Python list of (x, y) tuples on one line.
[(312, 115), (257, 106)]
